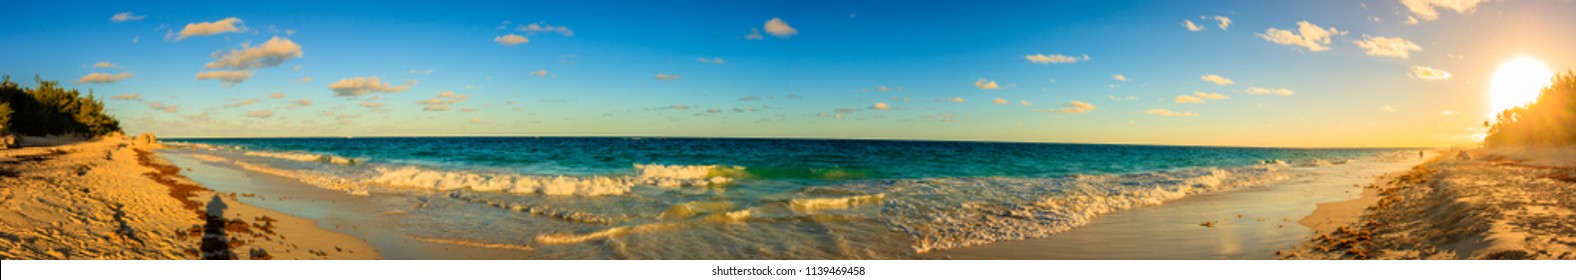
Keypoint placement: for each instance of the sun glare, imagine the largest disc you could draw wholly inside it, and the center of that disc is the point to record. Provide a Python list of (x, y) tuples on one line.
[(1517, 83)]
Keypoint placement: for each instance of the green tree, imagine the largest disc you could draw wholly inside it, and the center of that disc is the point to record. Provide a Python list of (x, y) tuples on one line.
[(1551, 120)]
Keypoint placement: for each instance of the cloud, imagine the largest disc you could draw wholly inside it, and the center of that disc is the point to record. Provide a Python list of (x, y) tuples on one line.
[(225, 25), (276, 95), (369, 104), (242, 103), (1425, 8), (1217, 79), (750, 98), (126, 16), (1387, 108), (956, 99), (1209, 95), (1075, 107), (229, 78), (160, 106), (413, 71), (540, 73), (1055, 58), (443, 101), (359, 86), (1188, 99), (1308, 35), (666, 77), (880, 106), (1023, 102), (539, 27), (1428, 73), (105, 64), (510, 40), (983, 83), (679, 107), (998, 100), (261, 114), (1387, 46), (1278, 91), (304, 80), (271, 53), (755, 34), (1169, 113), (1224, 22), (103, 78), (1448, 113), (303, 102), (128, 96), (477, 121), (778, 27), (715, 60), (1119, 77), (1191, 27)]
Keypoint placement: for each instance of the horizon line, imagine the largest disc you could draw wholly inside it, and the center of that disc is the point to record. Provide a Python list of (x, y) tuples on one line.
[(785, 138)]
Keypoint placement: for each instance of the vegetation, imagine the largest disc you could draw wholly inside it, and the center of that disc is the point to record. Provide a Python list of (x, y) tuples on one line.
[(51, 110), (1551, 120)]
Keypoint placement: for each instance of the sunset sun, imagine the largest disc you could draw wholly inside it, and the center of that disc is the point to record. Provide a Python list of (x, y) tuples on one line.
[(1518, 82)]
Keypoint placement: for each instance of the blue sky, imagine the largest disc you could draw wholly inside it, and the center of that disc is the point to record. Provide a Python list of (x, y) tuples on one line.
[(602, 61)]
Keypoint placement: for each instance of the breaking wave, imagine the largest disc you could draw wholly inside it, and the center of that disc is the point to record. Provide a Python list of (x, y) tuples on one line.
[(303, 157), (596, 185)]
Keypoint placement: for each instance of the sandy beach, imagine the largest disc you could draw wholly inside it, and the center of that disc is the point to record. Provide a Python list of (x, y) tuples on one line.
[(1504, 203), (114, 199)]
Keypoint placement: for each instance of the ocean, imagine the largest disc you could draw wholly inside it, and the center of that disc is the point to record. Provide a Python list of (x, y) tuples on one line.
[(703, 198)]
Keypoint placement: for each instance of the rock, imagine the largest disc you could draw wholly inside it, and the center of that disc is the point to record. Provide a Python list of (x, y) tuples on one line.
[(146, 138), (7, 141)]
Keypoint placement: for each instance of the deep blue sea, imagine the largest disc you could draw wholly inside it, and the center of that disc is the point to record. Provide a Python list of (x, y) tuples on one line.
[(570, 197)]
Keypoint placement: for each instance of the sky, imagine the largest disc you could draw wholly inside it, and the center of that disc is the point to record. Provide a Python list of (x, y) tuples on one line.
[(1375, 73)]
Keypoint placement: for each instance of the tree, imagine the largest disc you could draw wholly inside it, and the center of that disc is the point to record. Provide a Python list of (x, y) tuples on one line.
[(49, 109), (1551, 120)]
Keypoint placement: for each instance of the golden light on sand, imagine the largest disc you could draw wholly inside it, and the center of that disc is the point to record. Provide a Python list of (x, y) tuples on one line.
[(1518, 82)]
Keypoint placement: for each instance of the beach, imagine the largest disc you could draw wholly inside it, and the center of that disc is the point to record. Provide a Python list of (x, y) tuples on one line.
[(114, 198), (1492, 203)]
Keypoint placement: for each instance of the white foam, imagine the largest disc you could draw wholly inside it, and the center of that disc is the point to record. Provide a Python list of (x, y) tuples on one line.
[(319, 180), (809, 204), (410, 176), (305, 157)]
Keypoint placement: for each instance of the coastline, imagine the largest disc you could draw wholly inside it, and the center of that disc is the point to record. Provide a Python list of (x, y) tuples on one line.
[(113, 198), (1506, 203)]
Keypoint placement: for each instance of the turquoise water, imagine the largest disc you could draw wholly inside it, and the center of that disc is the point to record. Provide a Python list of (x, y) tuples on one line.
[(693, 198)]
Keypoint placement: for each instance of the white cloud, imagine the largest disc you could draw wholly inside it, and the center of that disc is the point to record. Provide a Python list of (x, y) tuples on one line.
[(105, 64), (510, 40), (1308, 35), (296, 68), (1425, 8), (443, 101), (715, 60), (261, 114), (999, 100), (755, 34), (1192, 27), (304, 80), (1387, 46), (1023, 102), (679, 107), (103, 78), (1387, 108), (666, 77), (243, 103), (225, 25), (1188, 99), (303, 102), (880, 106), (229, 78), (128, 96), (413, 71), (1169, 113), (1209, 95), (540, 73), (369, 104), (1278, 91), (1428, 73), (1225, 22), (358, 86), (1055, 58), (983, 83), (956, 99), (276, 95), (477, 121), (126, 16), (271, 53), (534, 28), (1119, 77), (778, 27), (1217, 79)]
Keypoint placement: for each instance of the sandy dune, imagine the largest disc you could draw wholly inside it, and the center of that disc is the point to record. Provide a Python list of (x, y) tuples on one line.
[(110, 199)]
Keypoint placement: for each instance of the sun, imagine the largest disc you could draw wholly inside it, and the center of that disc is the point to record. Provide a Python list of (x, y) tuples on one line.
[(1518, 82)]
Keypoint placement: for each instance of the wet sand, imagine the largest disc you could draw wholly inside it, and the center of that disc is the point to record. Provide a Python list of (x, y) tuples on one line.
[(1248, 223)]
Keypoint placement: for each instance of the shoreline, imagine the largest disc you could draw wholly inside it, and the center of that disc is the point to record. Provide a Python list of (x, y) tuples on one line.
[(1505, 203), (112, 198)]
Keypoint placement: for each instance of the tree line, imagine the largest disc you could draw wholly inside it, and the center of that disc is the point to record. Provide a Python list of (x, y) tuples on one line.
[(49, 109), (1551, 120)]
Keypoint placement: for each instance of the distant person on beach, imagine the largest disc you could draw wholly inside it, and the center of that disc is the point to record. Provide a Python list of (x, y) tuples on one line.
[(1419, 154)]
